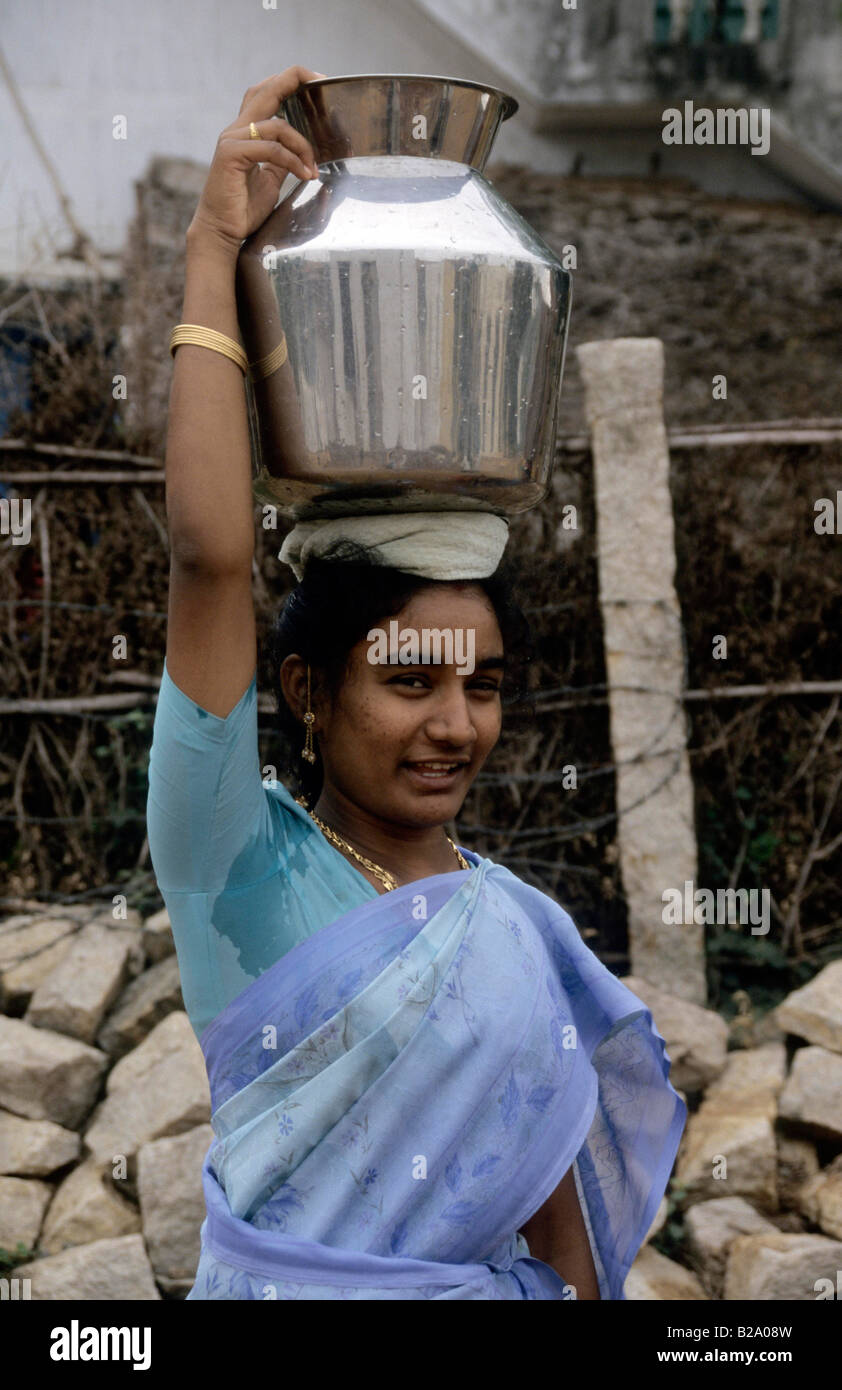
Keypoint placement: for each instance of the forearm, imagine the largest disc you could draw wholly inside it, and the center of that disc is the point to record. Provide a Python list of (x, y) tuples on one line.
[(210, 510)]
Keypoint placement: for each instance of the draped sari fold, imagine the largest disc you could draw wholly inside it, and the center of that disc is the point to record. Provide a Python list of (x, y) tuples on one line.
[(398, 1094)]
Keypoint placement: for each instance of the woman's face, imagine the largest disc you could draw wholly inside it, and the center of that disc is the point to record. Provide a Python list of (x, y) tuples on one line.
[(405, 740)]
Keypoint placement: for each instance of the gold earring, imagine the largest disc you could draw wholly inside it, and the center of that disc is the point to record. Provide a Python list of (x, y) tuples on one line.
[(309, 719)]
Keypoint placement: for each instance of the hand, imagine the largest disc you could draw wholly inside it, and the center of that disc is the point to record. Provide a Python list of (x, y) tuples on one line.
[(238, 195)]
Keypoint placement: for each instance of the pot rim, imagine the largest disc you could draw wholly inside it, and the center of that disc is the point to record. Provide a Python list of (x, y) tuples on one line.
[(510, 103)]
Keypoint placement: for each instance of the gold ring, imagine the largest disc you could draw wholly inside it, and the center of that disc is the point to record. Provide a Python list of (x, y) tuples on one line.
[(253, 131)]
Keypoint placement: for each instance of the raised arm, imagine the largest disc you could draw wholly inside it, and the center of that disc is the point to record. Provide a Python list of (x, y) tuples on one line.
[(211, 637)]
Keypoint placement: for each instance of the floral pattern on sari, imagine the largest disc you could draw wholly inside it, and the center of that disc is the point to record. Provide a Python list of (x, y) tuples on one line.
[(407, 1092)]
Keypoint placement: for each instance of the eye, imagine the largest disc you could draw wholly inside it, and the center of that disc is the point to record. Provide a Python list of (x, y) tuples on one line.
[(486, 686), (415, 681)]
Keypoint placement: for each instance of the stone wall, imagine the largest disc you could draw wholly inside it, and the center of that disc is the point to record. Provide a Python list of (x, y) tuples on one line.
[(104, 1107)]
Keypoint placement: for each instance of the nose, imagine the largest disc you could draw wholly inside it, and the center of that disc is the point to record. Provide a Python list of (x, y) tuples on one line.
[(450, 721)]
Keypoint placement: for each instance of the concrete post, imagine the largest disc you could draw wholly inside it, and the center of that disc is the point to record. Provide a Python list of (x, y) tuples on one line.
[(644, 660)]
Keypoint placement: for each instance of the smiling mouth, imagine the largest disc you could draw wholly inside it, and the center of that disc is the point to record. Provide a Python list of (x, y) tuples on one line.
[(435, 771)]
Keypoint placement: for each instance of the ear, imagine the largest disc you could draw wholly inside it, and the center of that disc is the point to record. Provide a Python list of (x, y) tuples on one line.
[(293, 678)]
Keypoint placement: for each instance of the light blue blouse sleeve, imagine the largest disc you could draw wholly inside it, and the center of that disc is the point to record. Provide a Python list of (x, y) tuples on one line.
[(208, 821)]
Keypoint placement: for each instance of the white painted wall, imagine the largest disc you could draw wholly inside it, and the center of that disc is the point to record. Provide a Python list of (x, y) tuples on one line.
[(178, 72)]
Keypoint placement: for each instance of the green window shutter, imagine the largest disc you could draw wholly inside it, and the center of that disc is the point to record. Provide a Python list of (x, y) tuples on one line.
[(733, 21), (701, 21), (769, 20), (663, 21), (712, 20)]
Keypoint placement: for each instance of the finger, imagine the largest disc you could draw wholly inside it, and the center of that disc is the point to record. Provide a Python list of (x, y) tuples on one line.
[(281, 131), (256, 152), (302, 165), (264, 99)]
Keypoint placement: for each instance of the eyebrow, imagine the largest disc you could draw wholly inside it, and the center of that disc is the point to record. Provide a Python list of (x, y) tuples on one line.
[(487, 663)]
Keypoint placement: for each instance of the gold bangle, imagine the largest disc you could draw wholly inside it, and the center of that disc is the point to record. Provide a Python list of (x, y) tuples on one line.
[(197, 334), (265, 366)]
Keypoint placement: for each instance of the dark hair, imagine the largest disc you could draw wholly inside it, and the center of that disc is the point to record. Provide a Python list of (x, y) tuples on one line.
[(342, 596)]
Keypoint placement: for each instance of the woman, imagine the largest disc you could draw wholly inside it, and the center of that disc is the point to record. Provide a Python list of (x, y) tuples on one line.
[(423, 1084)]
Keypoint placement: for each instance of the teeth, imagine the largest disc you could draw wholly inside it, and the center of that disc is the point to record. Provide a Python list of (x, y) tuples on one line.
[(436, 767)]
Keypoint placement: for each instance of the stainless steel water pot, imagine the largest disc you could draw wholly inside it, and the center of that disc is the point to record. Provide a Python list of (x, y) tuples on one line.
[(406, 327)]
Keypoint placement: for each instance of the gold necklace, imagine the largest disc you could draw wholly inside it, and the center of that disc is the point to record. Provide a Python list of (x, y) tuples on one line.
[(387, 879)]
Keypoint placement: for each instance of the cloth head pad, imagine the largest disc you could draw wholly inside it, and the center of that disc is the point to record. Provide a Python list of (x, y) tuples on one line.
[(435, 545)]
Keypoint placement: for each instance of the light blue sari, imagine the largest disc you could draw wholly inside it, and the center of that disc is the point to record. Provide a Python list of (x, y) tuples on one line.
[(398, 1094)]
